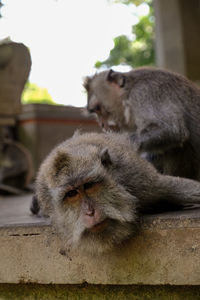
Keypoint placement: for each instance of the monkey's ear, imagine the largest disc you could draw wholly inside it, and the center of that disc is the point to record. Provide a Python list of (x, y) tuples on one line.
[(105, 158), (61, 160), (57, 167), (117, 78), (86, 83)]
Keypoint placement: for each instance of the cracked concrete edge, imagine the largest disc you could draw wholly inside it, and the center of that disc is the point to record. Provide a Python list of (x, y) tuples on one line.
[(181, 219)]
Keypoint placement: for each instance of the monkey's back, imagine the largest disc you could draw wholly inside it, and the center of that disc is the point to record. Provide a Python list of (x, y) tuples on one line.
[(175, 85), (166, 86)]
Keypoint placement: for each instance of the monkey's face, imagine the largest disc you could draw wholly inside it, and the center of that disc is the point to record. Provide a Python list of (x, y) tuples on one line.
[(104, 99), (91, 210), (94, 216)]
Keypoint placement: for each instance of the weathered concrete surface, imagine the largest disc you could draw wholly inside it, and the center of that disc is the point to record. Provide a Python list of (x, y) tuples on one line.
[(166, 251)]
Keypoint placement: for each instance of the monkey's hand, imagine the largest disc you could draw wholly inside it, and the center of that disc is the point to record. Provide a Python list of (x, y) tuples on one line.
[(34, 208)]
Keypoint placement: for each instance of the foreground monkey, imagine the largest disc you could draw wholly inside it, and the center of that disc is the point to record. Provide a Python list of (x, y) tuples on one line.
[(160, 108), (95, 186)]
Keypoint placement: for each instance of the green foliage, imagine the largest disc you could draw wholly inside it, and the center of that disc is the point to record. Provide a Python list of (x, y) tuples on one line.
[(136, 52), (135, 2), (34, 94)]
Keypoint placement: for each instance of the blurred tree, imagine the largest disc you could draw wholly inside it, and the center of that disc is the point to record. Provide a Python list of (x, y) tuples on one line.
[(139, 50), (34, 94), (1, 4), (135, 2)]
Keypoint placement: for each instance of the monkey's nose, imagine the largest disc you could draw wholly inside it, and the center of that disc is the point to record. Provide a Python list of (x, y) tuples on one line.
[(90, 212)]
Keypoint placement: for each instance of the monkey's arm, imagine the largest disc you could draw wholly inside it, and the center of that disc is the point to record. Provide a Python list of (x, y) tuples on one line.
[(182, 191), (170, 193), (159, 138), (160, 127)]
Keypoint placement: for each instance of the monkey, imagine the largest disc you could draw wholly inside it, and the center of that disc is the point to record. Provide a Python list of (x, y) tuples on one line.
[(159, 108), (95, 187)]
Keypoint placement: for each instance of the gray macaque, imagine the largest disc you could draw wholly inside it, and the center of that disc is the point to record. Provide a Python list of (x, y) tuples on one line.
[(159, 108), (95, 187)]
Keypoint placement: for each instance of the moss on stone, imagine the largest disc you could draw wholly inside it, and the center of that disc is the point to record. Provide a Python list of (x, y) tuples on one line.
[(94, 292)]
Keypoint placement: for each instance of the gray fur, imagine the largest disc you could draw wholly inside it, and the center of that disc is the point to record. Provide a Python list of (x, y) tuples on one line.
[(160, 108), (127, 187)]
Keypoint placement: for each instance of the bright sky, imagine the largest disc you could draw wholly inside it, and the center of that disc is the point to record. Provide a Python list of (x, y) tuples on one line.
[(66, 38)]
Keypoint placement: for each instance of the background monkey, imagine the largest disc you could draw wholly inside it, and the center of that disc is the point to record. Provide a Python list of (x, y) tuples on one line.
[(95, 186), (160, 108)]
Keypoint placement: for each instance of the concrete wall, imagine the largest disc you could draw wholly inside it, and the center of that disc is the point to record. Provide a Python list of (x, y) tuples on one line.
[(42, 126)]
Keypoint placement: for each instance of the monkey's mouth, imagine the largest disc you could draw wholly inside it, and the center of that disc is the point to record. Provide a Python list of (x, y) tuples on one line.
[(100, 226)]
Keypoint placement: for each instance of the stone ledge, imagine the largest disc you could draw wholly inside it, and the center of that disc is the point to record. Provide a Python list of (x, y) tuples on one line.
[(165, 251)]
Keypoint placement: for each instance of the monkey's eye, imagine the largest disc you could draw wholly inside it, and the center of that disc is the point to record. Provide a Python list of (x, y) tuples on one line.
[(88, 185), (71, 197), (71, 193)]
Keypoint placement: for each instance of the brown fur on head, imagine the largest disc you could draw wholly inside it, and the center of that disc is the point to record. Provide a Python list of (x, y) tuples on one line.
[(76, 185)]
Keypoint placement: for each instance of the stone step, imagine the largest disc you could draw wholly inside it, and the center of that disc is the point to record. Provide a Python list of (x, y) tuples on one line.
[(166, 251)]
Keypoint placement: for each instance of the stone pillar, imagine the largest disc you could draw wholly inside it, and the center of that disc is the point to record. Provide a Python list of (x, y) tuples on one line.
[(178, 36)]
